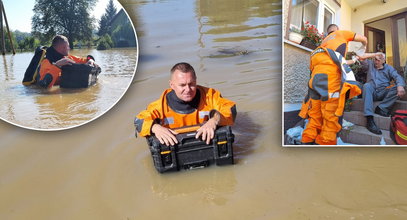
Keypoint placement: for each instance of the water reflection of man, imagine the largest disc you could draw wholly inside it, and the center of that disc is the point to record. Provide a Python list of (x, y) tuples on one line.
[(185, 104), (57, 56), (378, 88)]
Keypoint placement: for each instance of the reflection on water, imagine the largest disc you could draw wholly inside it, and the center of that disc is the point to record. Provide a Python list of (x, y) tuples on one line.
[(58, 108)]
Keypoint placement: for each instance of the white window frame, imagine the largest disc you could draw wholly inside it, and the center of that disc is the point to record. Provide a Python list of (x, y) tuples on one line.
[(324, 4)]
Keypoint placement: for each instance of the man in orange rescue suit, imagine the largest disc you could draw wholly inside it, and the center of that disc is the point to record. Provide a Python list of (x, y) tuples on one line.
[(185, 104), (57, 56), (326, 95)]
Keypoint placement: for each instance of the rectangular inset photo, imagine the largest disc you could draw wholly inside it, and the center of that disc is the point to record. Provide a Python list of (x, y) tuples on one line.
[(344, 73)]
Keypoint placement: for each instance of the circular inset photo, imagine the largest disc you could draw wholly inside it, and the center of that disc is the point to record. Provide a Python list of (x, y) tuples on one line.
[(63, 63)]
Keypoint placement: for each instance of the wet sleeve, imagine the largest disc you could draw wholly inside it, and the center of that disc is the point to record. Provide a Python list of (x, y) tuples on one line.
[(78, 59), (145, 119), (396, 76), (225, 107), (49, 74)]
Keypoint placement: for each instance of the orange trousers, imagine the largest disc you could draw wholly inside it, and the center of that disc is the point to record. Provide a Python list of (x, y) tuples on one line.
[(323, 125), (323, 100)]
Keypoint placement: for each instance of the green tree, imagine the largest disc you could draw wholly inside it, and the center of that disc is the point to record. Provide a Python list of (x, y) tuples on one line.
[(104, 23), (7, 40), (29, 43), (70, 18), (21, 35)]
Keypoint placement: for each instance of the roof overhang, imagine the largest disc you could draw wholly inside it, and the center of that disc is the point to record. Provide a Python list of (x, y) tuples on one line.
[(354, 4)]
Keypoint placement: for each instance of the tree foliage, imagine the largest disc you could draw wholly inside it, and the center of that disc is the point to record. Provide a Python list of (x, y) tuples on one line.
[(69, 17), (7, 40), (28, 43), (105, 43), (104, 23)]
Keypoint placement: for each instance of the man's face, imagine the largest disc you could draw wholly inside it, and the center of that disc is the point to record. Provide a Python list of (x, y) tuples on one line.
[(378, 61), (184, 85), (63, 48)]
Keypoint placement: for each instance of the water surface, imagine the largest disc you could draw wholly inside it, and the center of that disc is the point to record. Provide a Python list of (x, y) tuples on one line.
[(57, 108), (101, 171)]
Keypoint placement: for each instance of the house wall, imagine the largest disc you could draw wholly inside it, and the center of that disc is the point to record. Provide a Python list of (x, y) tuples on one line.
[(375, 10), (345, 16), (286, 5), (296, 72), (372, 11)]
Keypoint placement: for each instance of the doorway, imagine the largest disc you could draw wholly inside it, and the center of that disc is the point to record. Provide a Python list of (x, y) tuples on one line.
[(388, 35)]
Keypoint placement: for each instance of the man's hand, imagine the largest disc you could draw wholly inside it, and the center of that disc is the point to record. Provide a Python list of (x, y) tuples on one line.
[(91, 63), (208, 129), (400, 91), (361, 58), (64, 61), (379, 56), (164, 135)]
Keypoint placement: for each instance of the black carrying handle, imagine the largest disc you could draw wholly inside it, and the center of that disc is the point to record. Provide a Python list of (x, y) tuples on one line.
[(182, 138)]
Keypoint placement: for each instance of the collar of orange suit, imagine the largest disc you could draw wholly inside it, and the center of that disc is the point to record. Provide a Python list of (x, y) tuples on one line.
[(180, 106)]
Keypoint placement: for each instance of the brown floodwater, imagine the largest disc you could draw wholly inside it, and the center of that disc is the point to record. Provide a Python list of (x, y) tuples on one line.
[(57, 108), (101, 171)]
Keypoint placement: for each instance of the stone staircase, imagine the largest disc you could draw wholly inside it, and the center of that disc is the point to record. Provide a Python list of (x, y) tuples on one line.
[(359, 134)]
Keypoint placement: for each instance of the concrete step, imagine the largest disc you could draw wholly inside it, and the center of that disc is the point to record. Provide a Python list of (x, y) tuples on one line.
[(357, 118), (357, 105), (361, 136)]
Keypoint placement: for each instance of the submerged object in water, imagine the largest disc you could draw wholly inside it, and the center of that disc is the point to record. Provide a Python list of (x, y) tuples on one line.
[(192, 153), (79, 76)]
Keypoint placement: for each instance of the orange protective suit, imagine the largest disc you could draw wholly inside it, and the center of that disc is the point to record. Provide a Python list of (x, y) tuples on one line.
[(325, 100), (48, 68), (170, 116)]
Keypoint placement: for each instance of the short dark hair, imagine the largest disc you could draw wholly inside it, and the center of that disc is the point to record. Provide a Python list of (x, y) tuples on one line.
[(331, 26), (59, 39), (183, 67)]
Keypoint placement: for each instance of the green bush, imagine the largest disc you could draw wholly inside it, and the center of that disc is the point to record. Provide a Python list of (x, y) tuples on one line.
[(105, 43)]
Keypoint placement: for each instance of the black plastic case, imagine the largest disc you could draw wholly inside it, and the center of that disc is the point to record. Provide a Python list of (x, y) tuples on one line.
[(78, 76), (192, 153)]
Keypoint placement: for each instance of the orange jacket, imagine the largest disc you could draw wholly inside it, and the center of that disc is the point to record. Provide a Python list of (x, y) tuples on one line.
[(160, 112), (48, 68), (338, 41), (340, 79)]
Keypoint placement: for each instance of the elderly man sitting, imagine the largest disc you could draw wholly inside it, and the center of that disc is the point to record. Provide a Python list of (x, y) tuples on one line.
[(378, 88)]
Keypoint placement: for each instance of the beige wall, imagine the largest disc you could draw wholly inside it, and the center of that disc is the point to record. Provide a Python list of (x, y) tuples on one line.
[(345, 18), (375, 10)]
